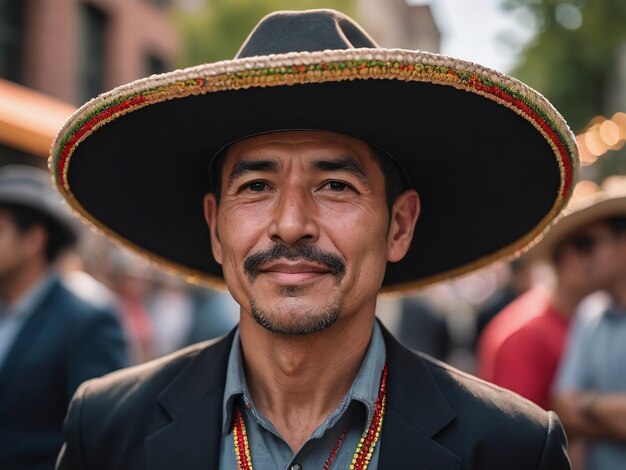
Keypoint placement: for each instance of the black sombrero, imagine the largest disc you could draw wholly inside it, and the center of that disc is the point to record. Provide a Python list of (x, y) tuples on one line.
[(492, 160)]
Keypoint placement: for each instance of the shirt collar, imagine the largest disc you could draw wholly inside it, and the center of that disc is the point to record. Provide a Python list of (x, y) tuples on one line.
[(613, 311), (30, 300), (235, 382), (364, 389)]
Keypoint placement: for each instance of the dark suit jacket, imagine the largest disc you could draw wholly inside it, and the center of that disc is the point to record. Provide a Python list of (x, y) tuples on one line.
[(167, 415), (64, 342)]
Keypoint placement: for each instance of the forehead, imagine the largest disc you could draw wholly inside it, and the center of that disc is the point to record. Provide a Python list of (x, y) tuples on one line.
[(7, 222), (5, 214), (314, 144)]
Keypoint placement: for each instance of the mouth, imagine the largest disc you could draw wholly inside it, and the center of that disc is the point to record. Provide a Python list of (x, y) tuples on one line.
[(289, 273), (294, 265)]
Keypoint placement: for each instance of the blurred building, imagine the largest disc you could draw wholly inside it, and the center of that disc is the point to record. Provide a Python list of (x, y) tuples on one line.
[(64, 52), (395, 23)]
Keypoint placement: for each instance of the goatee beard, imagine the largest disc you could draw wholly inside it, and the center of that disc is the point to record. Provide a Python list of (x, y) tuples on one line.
[(298, 324)]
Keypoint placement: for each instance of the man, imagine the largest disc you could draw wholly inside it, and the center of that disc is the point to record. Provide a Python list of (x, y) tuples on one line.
[(590, 391), (307, 137), (50, 340), (521, 348)]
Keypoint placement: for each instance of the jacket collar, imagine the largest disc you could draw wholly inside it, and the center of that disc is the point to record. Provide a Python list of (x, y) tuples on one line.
[(46, 299), (416, 411)]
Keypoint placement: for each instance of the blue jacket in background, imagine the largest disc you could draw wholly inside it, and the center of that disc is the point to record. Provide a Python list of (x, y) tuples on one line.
[(64, 342)]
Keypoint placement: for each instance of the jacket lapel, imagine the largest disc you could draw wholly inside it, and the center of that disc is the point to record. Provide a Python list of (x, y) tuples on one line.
[(27, 337), (416, 411), (194, 405)]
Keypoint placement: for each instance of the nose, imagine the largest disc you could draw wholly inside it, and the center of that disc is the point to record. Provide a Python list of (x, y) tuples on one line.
[(294, 217)]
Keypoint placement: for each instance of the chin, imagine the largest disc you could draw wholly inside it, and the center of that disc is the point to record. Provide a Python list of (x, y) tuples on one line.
[(295, 321)]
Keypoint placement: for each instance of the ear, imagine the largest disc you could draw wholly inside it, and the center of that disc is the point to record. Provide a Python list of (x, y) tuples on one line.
[(210, 215), (404, 214)]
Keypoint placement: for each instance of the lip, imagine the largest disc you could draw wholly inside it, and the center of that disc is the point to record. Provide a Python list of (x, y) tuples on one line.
[(286, 272)]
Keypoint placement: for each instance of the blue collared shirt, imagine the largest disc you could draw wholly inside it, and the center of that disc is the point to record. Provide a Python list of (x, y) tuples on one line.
[(269, 450), (14, 317)]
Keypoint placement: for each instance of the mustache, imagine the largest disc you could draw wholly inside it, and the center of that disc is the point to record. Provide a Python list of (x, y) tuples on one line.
[(299, 252)]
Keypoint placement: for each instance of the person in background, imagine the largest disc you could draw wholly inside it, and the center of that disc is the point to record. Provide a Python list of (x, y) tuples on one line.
[(131, 280), (520, 349), (50, 339), (590, 389), (172, 311), (520, 280)]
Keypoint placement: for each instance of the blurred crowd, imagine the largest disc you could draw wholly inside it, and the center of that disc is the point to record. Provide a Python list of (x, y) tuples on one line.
[(158, 312)]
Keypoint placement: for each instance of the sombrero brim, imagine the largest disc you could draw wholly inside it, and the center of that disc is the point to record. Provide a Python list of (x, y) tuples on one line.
[(492, 160), (589, 210)]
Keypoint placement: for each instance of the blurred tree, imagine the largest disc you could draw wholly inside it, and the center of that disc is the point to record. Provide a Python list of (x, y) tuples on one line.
[(573, 56), (216, 28)]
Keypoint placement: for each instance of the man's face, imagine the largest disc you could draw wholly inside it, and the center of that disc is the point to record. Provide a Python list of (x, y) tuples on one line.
[(603, 254), (302, 229), (609, 254)]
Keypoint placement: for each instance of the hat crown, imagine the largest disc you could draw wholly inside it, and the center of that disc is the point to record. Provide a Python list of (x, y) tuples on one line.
[(26, 186), (304, 31), (27, 179)]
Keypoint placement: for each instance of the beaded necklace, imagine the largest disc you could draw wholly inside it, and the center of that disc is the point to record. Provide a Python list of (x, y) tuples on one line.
[(364, 449)]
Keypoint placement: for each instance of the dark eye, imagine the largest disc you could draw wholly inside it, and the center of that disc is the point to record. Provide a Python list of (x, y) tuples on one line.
[(337, 186), (257, 186)]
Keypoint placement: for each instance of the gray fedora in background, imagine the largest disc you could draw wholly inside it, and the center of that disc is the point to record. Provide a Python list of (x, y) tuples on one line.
[(30, 187)]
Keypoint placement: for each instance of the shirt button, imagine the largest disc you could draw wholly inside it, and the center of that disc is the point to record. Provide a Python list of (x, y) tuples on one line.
[(295, 466)]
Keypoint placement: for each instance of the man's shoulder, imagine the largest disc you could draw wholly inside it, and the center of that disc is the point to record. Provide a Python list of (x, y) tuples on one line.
[(149, 396), (475, 420), (71, 303), (520, 312), (143, 380), (497, 428), (537, 336)]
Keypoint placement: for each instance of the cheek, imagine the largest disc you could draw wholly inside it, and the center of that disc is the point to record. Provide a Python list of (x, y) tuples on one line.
[(362, 240), (10, 251), (239, 231), (605, 263)]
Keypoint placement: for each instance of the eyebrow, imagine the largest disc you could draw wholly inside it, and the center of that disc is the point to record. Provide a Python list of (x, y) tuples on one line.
[(347, 164), (248, 166)]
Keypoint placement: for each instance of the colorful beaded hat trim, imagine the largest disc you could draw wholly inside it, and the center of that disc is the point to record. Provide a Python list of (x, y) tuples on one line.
[(320, 67)]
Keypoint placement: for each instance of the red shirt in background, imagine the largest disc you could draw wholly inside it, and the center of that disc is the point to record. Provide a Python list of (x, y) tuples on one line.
[(521, 347)]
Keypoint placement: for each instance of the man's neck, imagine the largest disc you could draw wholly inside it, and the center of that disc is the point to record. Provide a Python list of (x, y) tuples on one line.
[(566, 300), (296, 381), (16, 285), (618, 293)]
